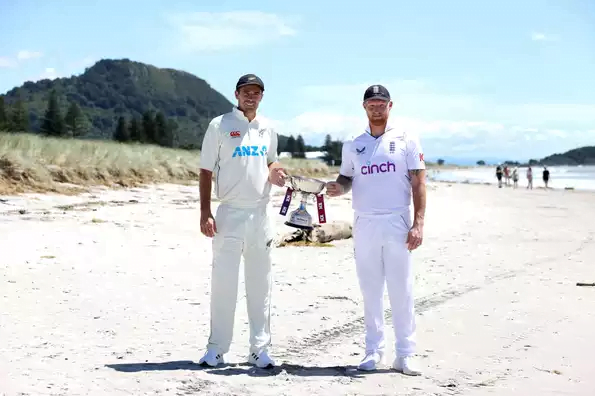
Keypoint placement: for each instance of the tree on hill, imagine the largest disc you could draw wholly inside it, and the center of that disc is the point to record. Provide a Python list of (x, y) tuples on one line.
[(76, 122), (481, 162), (121, 133), (291, 146), (440, 161), (149, 128), (134, 130), (328, 143), (163, 131), (332, 149), (53, 123), (300, 148), (19, 118), (3, 115)]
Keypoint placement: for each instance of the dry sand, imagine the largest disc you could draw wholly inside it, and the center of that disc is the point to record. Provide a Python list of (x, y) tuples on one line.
[(108, 294)]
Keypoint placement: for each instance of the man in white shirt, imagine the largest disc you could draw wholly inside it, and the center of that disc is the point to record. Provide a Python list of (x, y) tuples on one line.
[(240, 150), (384, 167)]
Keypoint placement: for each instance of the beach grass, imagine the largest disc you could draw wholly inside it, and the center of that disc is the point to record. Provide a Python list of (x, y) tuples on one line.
[(32, 163)]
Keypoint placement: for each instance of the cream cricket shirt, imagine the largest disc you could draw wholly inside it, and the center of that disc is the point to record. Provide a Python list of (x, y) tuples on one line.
[(380, 170), (238, 152)]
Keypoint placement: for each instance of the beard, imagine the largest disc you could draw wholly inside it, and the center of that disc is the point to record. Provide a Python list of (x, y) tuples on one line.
[(378, 120)]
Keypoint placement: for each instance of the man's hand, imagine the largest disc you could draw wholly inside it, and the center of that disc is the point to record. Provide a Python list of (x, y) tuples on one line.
[(415, 237), (207, 224), (334, 189), (277, 176)]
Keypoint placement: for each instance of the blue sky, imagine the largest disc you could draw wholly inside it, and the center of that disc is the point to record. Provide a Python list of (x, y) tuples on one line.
[(490, 78)]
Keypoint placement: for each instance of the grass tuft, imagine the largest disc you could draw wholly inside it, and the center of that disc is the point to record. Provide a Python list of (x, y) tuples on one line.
[(32, 163)]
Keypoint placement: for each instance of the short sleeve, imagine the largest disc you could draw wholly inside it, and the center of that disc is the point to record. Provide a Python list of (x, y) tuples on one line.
[(272, 152), (209, 153), (415, 153), (346, 160)]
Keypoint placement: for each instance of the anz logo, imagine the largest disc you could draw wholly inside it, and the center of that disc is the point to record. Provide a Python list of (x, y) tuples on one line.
[(250, 151)]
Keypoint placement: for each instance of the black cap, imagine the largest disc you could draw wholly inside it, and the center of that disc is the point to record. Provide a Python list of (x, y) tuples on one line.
[(377, 92), (249, 79)]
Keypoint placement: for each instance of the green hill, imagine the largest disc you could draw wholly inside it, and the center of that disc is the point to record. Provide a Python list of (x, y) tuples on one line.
[(579, 156), (111, 89)]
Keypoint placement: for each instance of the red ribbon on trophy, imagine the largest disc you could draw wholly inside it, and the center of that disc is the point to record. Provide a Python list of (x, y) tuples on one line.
[(286, 201), (320, 207)]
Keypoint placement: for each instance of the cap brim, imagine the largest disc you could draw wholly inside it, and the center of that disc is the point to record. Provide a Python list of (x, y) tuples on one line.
[(250, 83), (377, 97)]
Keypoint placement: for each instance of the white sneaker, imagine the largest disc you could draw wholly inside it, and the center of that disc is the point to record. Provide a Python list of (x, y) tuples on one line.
[(211, 358), (261, 360), (370, 361), (406, 366)]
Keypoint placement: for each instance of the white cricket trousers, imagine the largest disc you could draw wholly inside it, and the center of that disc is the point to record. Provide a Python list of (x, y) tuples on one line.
[(381, 254), (241, 232)]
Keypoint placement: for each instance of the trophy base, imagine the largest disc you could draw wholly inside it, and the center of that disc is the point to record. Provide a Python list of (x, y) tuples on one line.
[(300, 218), (301, 227)]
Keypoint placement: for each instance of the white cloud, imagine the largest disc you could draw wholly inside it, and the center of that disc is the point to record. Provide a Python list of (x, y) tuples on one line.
[(210, 31), (49, 73), (67, 70), (23, 55), (537, 36), (26, 55)]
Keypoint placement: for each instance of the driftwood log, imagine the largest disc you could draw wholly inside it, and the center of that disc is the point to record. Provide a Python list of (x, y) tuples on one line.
[(322, 233)]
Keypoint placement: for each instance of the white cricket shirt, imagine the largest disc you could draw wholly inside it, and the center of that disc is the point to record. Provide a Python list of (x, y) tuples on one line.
[(380, 170), (238, 152)]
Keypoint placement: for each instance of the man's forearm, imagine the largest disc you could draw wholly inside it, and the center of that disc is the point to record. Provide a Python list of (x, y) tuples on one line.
[(418, 189), (345, 182), (204, 186), (419, 204)]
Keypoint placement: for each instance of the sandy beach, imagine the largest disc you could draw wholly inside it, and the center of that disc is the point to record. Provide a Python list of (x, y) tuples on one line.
[(107, 293)]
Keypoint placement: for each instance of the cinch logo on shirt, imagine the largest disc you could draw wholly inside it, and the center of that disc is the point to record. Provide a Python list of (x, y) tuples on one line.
[(250, 151), (234, 134), (382, 168)]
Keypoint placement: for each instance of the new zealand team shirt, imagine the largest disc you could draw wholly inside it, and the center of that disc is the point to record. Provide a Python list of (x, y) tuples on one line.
[(380, 170), (238, 152)]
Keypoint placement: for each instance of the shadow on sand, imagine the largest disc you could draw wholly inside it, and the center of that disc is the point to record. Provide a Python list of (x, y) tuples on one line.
[(246, 369)]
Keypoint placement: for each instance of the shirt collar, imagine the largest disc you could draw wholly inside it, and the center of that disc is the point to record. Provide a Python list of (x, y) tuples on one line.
[(390, 127), (239, 114)]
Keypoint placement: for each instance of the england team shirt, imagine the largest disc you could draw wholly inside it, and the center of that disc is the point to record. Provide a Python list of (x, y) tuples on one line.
[(238, 152), (380, 170)]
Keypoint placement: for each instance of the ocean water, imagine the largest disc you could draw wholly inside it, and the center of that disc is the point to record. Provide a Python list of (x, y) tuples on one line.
[(561, 177)]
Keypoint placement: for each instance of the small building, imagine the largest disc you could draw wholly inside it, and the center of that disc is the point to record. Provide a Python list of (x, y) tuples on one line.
[(310, 155)]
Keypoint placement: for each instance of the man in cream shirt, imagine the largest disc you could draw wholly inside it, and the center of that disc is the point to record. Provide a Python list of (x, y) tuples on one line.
[(385, 169), (240, 151)]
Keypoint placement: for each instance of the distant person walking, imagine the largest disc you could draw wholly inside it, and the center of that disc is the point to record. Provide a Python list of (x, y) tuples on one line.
[(530, 178), (499, 173), (515, 177), (546, 176), (506, 175)]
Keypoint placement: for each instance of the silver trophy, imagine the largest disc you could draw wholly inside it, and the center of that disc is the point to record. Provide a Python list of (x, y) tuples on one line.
[(300, 218)]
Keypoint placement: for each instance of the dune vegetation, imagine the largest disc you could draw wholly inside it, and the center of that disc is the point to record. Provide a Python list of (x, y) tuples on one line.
[(33, 163)]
